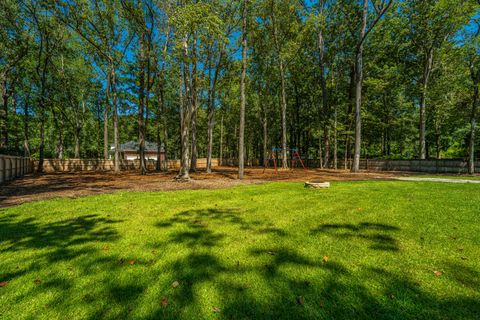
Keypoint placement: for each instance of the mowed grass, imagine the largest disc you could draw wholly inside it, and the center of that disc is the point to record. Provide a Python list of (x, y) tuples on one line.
[(359, 250)]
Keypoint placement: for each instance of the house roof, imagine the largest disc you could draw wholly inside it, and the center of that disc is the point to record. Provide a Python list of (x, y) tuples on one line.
[(134, 146)]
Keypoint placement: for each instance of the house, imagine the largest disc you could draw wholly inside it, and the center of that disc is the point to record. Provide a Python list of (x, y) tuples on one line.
[(131, 151)]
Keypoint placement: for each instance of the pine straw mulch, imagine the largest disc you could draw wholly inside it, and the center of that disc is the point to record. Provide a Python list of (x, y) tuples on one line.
[(34, 188)]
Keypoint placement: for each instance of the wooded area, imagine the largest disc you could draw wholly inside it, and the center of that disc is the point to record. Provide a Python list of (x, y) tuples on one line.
[(337, 80)]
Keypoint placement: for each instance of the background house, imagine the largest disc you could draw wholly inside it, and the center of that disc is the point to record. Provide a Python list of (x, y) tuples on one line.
[(130, 151)]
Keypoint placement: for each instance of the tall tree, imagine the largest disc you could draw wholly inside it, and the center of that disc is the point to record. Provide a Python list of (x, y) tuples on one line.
[(241, 140), (380, 9)]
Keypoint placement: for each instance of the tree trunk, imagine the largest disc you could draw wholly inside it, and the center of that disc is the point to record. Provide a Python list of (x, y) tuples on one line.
[(41, 147), (161, 118), (41, 99), (165, 142), (335, 141), (78, 131), (158, 166), (185, 116), (283, 89), (358, 90), (265, 103), (4, 116), (428, 64), (159, 121), (284, 117), (115, 120), (241, 146), (26, 144), (105, 120), (221, 142), (184, 127), (326, 143), (473, 122), (60, 144), (141, 113), (211, 114), (325, 114), (194, 101)]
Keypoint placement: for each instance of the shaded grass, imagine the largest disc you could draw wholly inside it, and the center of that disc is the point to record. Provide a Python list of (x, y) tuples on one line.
[(359, 250)]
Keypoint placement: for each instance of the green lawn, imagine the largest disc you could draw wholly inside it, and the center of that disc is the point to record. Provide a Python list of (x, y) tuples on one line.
[(359, 250)]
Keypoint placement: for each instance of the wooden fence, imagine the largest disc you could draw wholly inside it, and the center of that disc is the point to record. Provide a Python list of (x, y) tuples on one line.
[(14, 167), (427, 166), (96, 165)]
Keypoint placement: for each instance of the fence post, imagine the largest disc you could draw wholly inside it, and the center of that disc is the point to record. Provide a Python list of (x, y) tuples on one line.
[(19, 167), (8, 169)]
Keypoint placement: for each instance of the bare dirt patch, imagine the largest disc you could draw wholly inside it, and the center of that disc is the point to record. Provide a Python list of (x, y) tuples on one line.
[(32, 188)]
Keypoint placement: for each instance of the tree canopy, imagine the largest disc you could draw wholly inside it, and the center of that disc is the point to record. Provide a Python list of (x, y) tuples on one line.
[(224, 79)]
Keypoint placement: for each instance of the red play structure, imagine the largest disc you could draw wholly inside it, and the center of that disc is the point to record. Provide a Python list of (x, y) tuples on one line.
[(274, 156)]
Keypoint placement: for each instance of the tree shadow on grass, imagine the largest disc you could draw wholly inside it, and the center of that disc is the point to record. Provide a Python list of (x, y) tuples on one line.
[(273, 280), (19, 234), (294, 286), (374, 233)]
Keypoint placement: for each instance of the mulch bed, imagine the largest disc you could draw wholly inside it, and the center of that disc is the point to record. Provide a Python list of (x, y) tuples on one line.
[(34, 188)]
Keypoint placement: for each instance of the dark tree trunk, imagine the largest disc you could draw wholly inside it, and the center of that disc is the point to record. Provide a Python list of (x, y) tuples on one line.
[(358, 90), (473, 120), (105, 120), (281, 69), (115, 120), (325, 112), (220, 160), (349, 119), (211, 112), (265, 104), (141, 111), (326, 143), (26, 144), (335, 140), (159, 117), (4, 116), (428, 64), (241, 146), (194, 101)]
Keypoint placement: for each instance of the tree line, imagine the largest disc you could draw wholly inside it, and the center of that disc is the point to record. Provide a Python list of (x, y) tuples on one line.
[(336, 80)]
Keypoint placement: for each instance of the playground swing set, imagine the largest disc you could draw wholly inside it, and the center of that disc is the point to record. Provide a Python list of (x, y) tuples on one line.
[(274, 156)]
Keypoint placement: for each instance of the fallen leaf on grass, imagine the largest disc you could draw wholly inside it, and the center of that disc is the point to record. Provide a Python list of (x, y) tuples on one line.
[(175, 284), (325, 259), (438, 273), (3, 283), (300, 300), (164, 301), (131, 262), (37, 281), (216, 309)]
